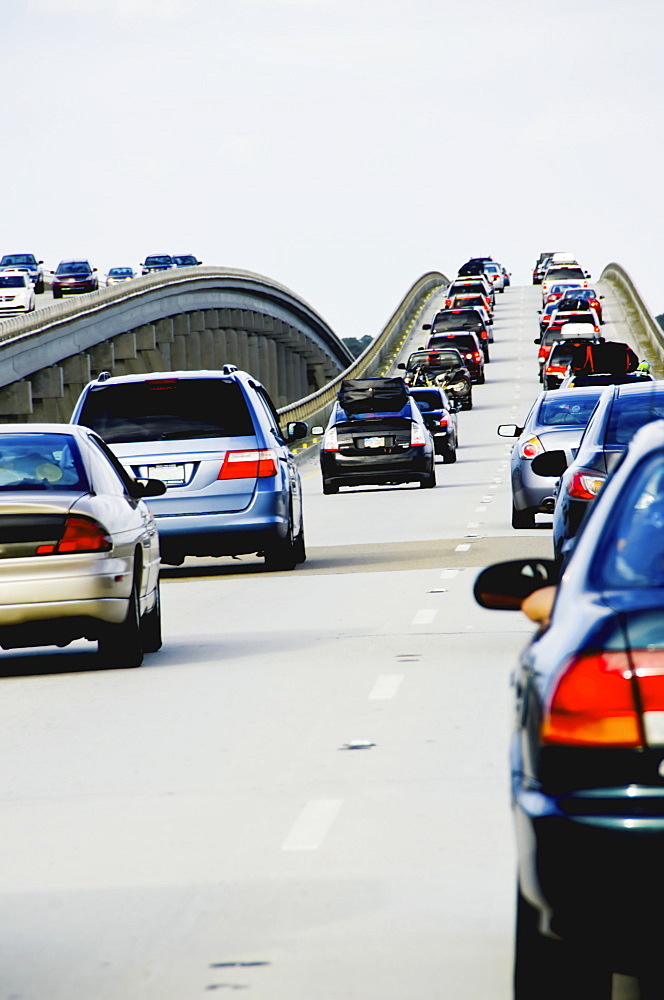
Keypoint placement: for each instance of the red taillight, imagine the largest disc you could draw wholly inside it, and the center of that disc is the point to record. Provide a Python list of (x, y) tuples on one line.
[(254, 464), (417, 435), (331, 441), (544, 352), (443, 422), (81, 534), (585, 485), (476, 356), (555, 368), (593, 704), (448, 303)]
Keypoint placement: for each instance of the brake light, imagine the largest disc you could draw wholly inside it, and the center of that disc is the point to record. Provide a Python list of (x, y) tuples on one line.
[(544, 352), (443, 422), (417, 435), (556, 368), (531, 448), (593, 704), (81, 534), (585, 485), (448, 303), (253, 464), (331, 442), (476, 356)]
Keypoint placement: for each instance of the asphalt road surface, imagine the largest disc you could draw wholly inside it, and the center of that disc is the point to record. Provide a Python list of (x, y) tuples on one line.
[(305, 793)]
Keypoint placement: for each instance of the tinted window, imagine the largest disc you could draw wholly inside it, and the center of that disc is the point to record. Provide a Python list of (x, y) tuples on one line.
[(436, 359), (632, 553), (12, 281), (168, 409), (629, 412), (571, 412), (75, 267), (561, 273), (40, 462), (461, 342), (457, 321)]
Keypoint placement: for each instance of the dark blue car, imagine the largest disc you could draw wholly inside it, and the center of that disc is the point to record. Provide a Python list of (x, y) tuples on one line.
[(587, 755)]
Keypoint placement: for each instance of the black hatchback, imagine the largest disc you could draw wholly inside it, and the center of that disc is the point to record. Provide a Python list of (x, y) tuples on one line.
[(376, 435)]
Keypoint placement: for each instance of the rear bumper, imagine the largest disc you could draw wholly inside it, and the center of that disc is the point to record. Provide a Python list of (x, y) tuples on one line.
[(411, 465)]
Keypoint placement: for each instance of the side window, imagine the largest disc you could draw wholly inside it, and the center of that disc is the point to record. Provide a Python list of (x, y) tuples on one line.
[(271, 413), (108, 474)]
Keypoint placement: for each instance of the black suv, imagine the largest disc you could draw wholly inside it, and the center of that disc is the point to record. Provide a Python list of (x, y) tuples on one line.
[(468, 346), (451, 320), (376, 435)]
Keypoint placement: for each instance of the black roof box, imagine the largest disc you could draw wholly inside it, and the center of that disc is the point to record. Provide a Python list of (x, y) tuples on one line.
[(373, 395)]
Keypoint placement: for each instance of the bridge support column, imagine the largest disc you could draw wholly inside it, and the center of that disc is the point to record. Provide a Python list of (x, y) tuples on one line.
[(16, 402), (47, 391)]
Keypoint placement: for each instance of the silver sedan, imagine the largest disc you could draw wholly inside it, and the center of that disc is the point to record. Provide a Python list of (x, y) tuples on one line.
[(556, 421), (79, 550)]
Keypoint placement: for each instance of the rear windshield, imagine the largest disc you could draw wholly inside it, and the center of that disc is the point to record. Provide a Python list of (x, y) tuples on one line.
[(566, 412), (630, 412), (168, 409), (457, 321), (44, 462), (561, 273), (462, 341), (435, 359)]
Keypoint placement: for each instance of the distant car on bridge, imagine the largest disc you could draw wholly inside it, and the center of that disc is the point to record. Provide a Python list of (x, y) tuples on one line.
[(186, 260), (16, 292), (25, 262), (116, 275), (74, 276), (157, 262)]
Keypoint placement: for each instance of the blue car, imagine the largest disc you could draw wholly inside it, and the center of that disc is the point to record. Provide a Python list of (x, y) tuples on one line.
[(587, 754), (213, 437), (25, 262), (157, 262)]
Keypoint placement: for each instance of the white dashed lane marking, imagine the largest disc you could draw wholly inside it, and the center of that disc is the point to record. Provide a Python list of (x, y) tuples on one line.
[(312, 825), (386, 686), (424, 616)]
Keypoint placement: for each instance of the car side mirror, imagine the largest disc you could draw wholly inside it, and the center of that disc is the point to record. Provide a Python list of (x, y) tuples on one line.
[(401, 364), (147, 488), (503, 586), (317, 431), (509, 430), (426, 326), (587, 274), (296, 430), (549, 463)]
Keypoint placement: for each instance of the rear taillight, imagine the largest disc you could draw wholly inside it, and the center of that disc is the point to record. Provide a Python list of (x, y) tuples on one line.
[(551, 369), (648, 665), (448, 303), (592, 704), (81, 534), (476, 356), (254, 464), (417, 435), (543, 353), (331, 441), (443, 422), (531, 448), (585, 485)]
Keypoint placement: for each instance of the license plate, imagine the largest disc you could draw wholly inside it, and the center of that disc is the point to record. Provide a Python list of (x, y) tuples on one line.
[(171, 475), (374, 442)]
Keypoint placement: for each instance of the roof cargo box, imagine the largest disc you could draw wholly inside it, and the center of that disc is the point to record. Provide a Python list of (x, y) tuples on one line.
[(373, 395), (609, 358)]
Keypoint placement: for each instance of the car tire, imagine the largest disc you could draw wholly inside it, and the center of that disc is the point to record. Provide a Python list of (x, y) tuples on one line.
[(282, 554), (39, 288), (57, 294), (300, 547), (122, 645), (329, 488), (151, 638), (550, 969), (430, 481), (449, 456), (487, 358), (481, 379), (523, 518), (468, 403)]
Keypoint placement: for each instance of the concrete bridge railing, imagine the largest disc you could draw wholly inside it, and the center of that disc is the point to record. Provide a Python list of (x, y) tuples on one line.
[(647, 331)]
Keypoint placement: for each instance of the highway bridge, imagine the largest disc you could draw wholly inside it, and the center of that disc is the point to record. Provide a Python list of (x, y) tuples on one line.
[(304, 794)]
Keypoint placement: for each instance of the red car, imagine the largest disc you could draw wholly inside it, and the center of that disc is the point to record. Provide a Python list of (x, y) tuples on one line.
[(74, 277)]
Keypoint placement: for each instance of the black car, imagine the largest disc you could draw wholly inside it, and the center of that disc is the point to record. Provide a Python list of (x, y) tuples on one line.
[(376, 435), (587, 754), (157, 262), (72, 277), (474, 266), (186, 260), (468, 346), (444, 369), (620, 412), (448, 320), (440, 417)]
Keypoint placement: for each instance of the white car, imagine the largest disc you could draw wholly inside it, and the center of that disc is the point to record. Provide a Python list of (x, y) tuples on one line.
[(17, 293), (496, 276)]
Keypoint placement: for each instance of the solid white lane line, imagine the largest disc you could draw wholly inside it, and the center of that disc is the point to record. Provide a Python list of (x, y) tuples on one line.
[(386, 686), (312, 825), (462, 548), (448, 574), (424, 616)]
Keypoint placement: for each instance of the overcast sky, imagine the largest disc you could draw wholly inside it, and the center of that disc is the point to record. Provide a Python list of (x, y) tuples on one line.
[(341, 147)]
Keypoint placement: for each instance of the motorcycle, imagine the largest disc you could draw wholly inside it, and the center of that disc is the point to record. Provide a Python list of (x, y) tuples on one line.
[(455, 383)]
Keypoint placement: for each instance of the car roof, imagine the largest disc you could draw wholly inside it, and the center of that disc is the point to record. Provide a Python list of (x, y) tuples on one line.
[(165, 376)]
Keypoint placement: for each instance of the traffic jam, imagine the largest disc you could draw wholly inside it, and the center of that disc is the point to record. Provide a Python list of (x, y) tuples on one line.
[(157, 468)]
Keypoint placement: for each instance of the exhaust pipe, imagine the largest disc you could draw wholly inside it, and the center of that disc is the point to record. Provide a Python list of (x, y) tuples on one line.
[(548, 503)]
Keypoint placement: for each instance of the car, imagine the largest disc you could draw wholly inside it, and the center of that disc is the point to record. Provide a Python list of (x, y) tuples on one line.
[(546, 314), (17, 293), (443, 368), (441, 419), (468, 346), (570, 303), (118, 275), (507, 278), (475, 302), (562, 318), (79, 547), (495, 274), (186, 260), (462, 320), (564, 274), (74, 277), (474, 266), (376, 435), (575, 379), (213, 437), (28, 261), (587, 748), (621, 411), (557, 364), (157, 262), (556, 421), (556, 292), (472, 286), (541, 265), (573, 331), (589, 295)]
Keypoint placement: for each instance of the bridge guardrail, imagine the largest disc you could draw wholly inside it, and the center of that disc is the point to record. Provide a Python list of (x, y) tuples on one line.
[(646, 329), (318, 406)]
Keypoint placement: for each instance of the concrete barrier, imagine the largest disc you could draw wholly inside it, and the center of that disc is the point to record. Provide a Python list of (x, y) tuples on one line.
[(647, 331)]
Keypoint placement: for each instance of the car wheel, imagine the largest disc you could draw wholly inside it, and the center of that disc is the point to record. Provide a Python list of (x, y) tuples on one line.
[(481, 379), (487, 358), (550, 969), (329, 488), (523, 518), (300, 547), (122, 646), (449, 456), (430, 481), (57, 294), (468, 403), (39, 287), (282, 554), (151, 626)]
